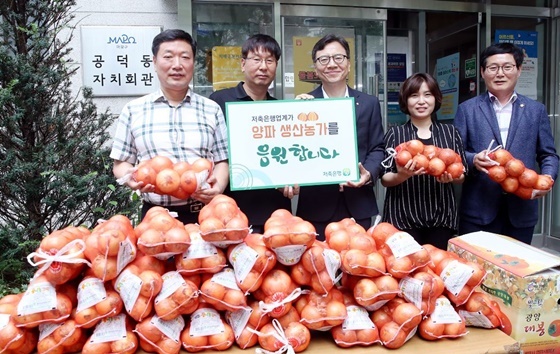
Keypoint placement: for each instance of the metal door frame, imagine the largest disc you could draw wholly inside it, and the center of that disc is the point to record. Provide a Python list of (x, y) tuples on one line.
[(449, 31), (549, 239)]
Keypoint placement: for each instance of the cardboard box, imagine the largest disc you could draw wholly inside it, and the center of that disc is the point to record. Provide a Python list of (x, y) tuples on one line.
[(526, 283)]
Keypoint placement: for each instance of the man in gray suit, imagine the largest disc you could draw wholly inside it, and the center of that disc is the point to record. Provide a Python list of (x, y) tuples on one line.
[(522, 127)]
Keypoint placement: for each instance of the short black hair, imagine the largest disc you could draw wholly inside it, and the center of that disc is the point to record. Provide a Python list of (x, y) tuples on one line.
[(329, 38), (171, 35), (412, 85), (502, 48), (264, 41)]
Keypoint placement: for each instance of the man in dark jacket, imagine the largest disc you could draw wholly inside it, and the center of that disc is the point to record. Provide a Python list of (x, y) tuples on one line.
[(521, 126), (260, 54)]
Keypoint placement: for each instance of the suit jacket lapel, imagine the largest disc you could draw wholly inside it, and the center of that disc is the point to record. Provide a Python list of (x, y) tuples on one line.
[(518, 111), (486, 107), (356, 95), (318, 92)]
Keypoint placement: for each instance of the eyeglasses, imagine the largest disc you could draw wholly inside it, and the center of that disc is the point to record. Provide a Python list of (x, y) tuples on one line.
[(506, 68), (325, 59), (258, 61)]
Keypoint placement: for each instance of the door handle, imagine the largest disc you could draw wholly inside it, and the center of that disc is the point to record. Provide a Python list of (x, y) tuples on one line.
[(374, 85)]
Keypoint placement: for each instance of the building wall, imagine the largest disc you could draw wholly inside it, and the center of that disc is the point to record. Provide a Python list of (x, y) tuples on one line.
[(118, 13)]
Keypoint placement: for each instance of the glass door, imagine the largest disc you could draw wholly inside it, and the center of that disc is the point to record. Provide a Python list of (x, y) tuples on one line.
[(453, 51), (365, 31), (220, 30), (453, 42)]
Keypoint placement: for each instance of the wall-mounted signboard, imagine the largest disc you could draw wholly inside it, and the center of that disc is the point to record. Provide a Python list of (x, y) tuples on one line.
[(117, 60)]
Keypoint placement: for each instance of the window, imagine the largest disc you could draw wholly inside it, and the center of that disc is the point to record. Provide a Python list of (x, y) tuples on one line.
[(223, 25)]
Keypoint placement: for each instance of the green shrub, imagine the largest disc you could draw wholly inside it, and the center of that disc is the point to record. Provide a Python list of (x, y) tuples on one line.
[(55, 168)]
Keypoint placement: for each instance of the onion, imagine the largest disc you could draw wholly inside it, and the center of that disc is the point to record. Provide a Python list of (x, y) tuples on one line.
[(381, 317), (430, 330), (392, 336), (447, 156), (298, 336), (300, 275), (145, 173), (222, 341), (336, 313), (455, 329), (403, 157), (167, 181), (524, 192), (407, 315), (415, 147), (363, 242), (339, 240), (365, 292), (455, 169), (436, 167), (188, 182), (510, 184), (430, 151), (381, 232), (544, 182), (344, 338), (514, 167), (421, 162), (528, 178), (129, 344), (497, 173), (177, 240), (501, 156), (159, 163), (247, 339)]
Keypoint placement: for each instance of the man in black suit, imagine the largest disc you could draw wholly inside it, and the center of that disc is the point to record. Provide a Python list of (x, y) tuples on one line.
[(260, 54), (323, 204)]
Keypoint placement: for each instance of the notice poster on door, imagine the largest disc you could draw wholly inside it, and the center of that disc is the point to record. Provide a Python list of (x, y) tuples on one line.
[(396, 74), (447, 76), (226, 67), (526, 40), (305, 78)]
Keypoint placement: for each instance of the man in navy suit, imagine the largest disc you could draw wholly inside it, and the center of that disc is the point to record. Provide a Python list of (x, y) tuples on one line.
[(522, 127), (323, 204)]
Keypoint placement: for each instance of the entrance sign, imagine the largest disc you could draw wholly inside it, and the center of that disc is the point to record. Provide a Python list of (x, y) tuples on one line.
[(117, 60), (304, 142)]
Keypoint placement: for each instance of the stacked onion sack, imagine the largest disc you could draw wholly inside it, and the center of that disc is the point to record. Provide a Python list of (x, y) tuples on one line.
[(164, 287), (514, 177), (433, 159), (177, 179)]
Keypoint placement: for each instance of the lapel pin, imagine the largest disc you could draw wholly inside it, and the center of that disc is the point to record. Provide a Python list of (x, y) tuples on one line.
[(522, 105), (357, 103)]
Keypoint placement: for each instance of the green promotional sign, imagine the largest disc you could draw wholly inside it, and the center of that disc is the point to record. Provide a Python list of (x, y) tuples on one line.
[(470, 68)]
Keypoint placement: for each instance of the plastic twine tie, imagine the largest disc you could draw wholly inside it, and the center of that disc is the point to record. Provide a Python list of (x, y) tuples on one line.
[(61, 256)]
